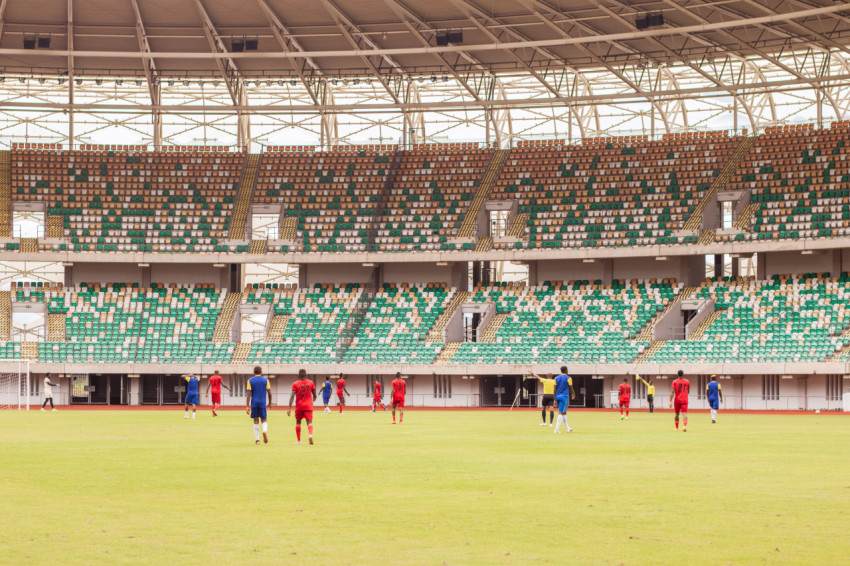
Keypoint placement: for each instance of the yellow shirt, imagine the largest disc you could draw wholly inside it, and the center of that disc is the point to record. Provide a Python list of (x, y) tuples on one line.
[(548, 385), (650, 389)]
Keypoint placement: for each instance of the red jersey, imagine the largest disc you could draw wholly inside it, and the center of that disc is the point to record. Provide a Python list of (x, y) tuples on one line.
[(377, 389), (625, 391), (304, 389), (398, 388), (215, 383), (681, 388), (340, 386)]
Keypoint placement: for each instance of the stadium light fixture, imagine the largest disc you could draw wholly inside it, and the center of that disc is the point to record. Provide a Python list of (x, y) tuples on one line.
[(356, 81), (186, 82), (79, 82), (22, 80), (215, 83), (119, 82), (806, 252), (237, 45), (368, 264), (787, 376), (292, 82), (41, 80), (252, 44), (98, 82), (661, 258), (29, 42), (43, 41), (138, 82), (219, 265), (442, 264), (588, 260), (2, 79), (144, 265)]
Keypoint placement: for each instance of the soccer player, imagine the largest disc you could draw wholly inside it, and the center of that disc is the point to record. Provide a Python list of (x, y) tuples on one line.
[(650, 392), (304, 391), (191, 394), (341, 392), (398, 396), (548, 397), (563, 393), (258, 388), (376, 397), (681, 388), (326, 394), (215, 384), (715, 397), (625, 397), (48, 392)]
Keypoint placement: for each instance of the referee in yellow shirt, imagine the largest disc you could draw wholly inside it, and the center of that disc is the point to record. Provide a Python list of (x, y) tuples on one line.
[(650, 392), (548, 397)]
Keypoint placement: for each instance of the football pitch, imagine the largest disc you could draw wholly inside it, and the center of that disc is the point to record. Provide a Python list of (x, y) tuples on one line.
[(445, 487)]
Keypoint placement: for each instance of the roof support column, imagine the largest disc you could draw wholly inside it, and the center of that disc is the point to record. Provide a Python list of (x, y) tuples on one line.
[(414, 120)]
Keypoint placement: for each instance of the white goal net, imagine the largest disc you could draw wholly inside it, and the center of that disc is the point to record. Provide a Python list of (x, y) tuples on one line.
[(14, 384)]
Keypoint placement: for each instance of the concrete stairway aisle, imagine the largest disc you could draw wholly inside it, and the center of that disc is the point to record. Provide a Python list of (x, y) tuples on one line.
[(277, 328), (745, 219), (436, 333), (697, 334), (646, 333), (241, 353), (5, 194), (467, 227), (221, 333), (447, 353), (245, 196), (517, 228), (56, 327), (493, 328), (647, 354), (5, 316), (695, 221)]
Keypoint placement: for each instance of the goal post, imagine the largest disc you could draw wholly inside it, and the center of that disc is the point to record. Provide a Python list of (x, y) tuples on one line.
[(14, 384)]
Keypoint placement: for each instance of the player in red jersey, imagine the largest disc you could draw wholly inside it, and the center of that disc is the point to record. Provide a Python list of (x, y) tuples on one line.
[(341, 392), (398, 396), (625, 397), (376, 397), (304, 391), (681, 388), (215, 384)]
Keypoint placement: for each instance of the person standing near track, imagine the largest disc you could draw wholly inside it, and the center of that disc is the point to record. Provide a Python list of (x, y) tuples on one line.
[(650, 392), (715, 397), (563, 393), (548, 401), (215, 384), (681, 387), (326, 394), (48, 393), (304, 392), (258, 388), (399, 387), (625, 391), (376, 396), (341, 392), (191, 394)]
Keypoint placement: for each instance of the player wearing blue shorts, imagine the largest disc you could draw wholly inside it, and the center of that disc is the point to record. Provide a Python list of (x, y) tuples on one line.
[(563, 393), (258, 388), (191, 394), (327, 386), (715, 396)]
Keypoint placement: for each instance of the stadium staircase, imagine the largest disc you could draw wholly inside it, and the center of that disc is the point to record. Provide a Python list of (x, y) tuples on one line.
[(56, 328), (259, 247), (241, 353), (517, 228), (288, 227), (5, 316), (277, 328), (221, 333), (436, 333), (29, 350), (381, 206), (646, 332), (484, 244), (707, 237), (745, 219), (245, 196), (695, 221), (467, 226), (703, 326), (358, 315), (839, 354), (29, 245), (54, 228), (447, 353), (5, 194), (493, 328), (647, 354)]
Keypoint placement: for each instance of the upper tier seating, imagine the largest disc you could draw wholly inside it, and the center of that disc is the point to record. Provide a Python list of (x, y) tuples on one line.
[(397, 323), (432, 190), (799, 181), (781, 320), (334, 195), (615, 193), (119, 323), (318, 314), (580, 322), (116, 201)]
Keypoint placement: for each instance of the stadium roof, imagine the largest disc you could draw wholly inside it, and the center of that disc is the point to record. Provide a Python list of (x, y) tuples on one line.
[(361, 56)]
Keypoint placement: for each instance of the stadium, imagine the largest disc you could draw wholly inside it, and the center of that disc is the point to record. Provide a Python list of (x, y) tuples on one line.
[(460, 191)]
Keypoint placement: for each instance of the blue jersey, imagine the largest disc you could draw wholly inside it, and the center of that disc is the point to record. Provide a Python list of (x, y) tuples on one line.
[(326, 390), (713, 390), (192, 387), (258, 385), (562, 386)]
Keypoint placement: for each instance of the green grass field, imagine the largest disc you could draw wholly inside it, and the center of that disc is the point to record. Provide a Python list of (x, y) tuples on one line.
[(477, 487)]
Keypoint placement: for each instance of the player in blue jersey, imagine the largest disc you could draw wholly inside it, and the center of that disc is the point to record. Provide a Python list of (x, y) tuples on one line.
[(258, 388), (191, 394), (327, 386), (563, 393), (715, 397)]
